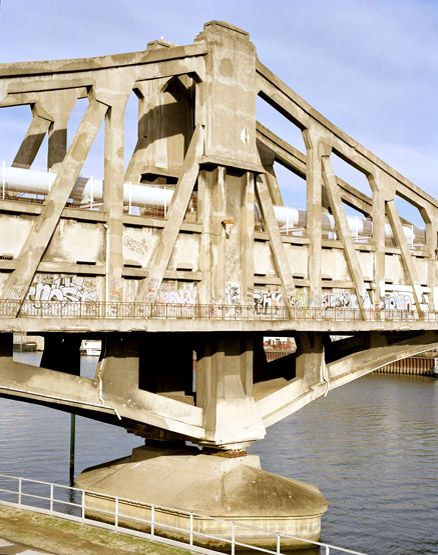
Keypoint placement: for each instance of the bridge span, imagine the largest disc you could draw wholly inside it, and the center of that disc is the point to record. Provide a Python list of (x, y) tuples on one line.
[(189, 246)]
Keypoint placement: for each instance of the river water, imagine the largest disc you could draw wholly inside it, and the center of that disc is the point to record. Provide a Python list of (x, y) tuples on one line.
[(370, 446)]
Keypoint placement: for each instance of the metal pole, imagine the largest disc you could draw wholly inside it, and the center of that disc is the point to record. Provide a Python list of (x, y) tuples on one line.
[(72, 448), (51, 498), (152, 520), (191, 530)]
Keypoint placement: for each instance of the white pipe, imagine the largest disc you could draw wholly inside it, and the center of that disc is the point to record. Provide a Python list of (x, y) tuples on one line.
[(28, 181), (133, 193), (34, 182), (286, 215)]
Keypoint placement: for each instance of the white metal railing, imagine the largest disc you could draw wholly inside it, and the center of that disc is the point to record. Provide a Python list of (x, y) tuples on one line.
[(71, 503)]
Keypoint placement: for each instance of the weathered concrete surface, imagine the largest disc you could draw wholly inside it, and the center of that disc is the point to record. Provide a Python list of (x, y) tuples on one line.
[(218, 241), (231, 489), (62, 537)]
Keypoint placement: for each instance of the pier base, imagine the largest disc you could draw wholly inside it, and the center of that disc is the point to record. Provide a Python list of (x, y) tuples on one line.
[(231, 489)]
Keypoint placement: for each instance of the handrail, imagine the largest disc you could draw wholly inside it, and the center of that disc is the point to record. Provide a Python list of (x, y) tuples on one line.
[(92, 310), (152, 523)]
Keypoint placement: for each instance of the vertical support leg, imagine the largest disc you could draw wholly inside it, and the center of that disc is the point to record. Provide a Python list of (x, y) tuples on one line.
[(113, 198), (224, 391), (310, 362), (314, 212), (379, 220)]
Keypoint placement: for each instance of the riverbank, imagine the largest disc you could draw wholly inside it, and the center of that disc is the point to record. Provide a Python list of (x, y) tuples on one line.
[(64, 537)]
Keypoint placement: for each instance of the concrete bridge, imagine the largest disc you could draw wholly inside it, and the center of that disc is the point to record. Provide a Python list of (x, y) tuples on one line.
[(190, 250)]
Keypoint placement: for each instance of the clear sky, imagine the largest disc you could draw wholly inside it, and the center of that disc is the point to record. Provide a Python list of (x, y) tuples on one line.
[(370, 66)]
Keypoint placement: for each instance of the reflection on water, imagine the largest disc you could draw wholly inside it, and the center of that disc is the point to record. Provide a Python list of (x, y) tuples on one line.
[(370, 446)]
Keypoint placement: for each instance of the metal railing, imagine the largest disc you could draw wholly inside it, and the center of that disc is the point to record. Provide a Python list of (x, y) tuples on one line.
[(80, 505), (148, 311)]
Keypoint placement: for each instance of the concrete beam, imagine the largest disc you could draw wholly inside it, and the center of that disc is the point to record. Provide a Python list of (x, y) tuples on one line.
[(32, 252), (180, 200), (343, 230), (280, 257)]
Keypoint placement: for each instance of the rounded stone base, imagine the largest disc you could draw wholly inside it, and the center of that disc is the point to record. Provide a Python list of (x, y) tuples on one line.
[(259, 503)]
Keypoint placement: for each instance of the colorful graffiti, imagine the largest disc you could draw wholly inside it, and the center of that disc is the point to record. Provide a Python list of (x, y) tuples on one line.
[(177, 293), (60, 287), (339, 300), (299, 298), (266, 300)]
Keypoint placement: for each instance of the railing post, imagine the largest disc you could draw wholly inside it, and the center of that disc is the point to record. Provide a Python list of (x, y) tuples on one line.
[(152, 520), (83, 506), (233, 539), (20, 490), (116, 512), (51, 498), (191, 529), (327, 550), (278, 544)]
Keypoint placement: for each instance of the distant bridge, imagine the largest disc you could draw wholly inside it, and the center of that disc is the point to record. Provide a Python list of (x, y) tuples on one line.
[(189, 248)]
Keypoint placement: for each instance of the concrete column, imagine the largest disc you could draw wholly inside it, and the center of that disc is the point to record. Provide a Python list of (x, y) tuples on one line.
[(267, 159), (430, 216), (378, 239), (314, 211), (113, 197), (31, 143), (246, 231), (310, 361), (211, 214), (61, 352), (118, 367), (230, 99), (224, 390), (61, 105), (165, 125)]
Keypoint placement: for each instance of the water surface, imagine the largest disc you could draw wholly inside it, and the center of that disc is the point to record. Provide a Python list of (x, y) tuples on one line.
[(370, 446)]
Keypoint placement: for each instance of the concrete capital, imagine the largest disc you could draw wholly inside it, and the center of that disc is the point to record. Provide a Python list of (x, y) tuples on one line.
[(39, 111), (222, 27), (325, 149), (108, 97)]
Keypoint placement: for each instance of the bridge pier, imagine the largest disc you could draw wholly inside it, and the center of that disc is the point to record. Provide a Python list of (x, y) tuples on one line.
[(213, 374)]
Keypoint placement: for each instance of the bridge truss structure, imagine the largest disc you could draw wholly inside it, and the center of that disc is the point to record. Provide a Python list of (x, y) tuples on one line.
[(184, 257)]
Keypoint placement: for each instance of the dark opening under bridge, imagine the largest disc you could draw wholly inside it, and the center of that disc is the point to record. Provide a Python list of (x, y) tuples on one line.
[(190, 249)]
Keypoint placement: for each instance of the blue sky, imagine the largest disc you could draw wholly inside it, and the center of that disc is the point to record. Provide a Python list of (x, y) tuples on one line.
[(370, 66)]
